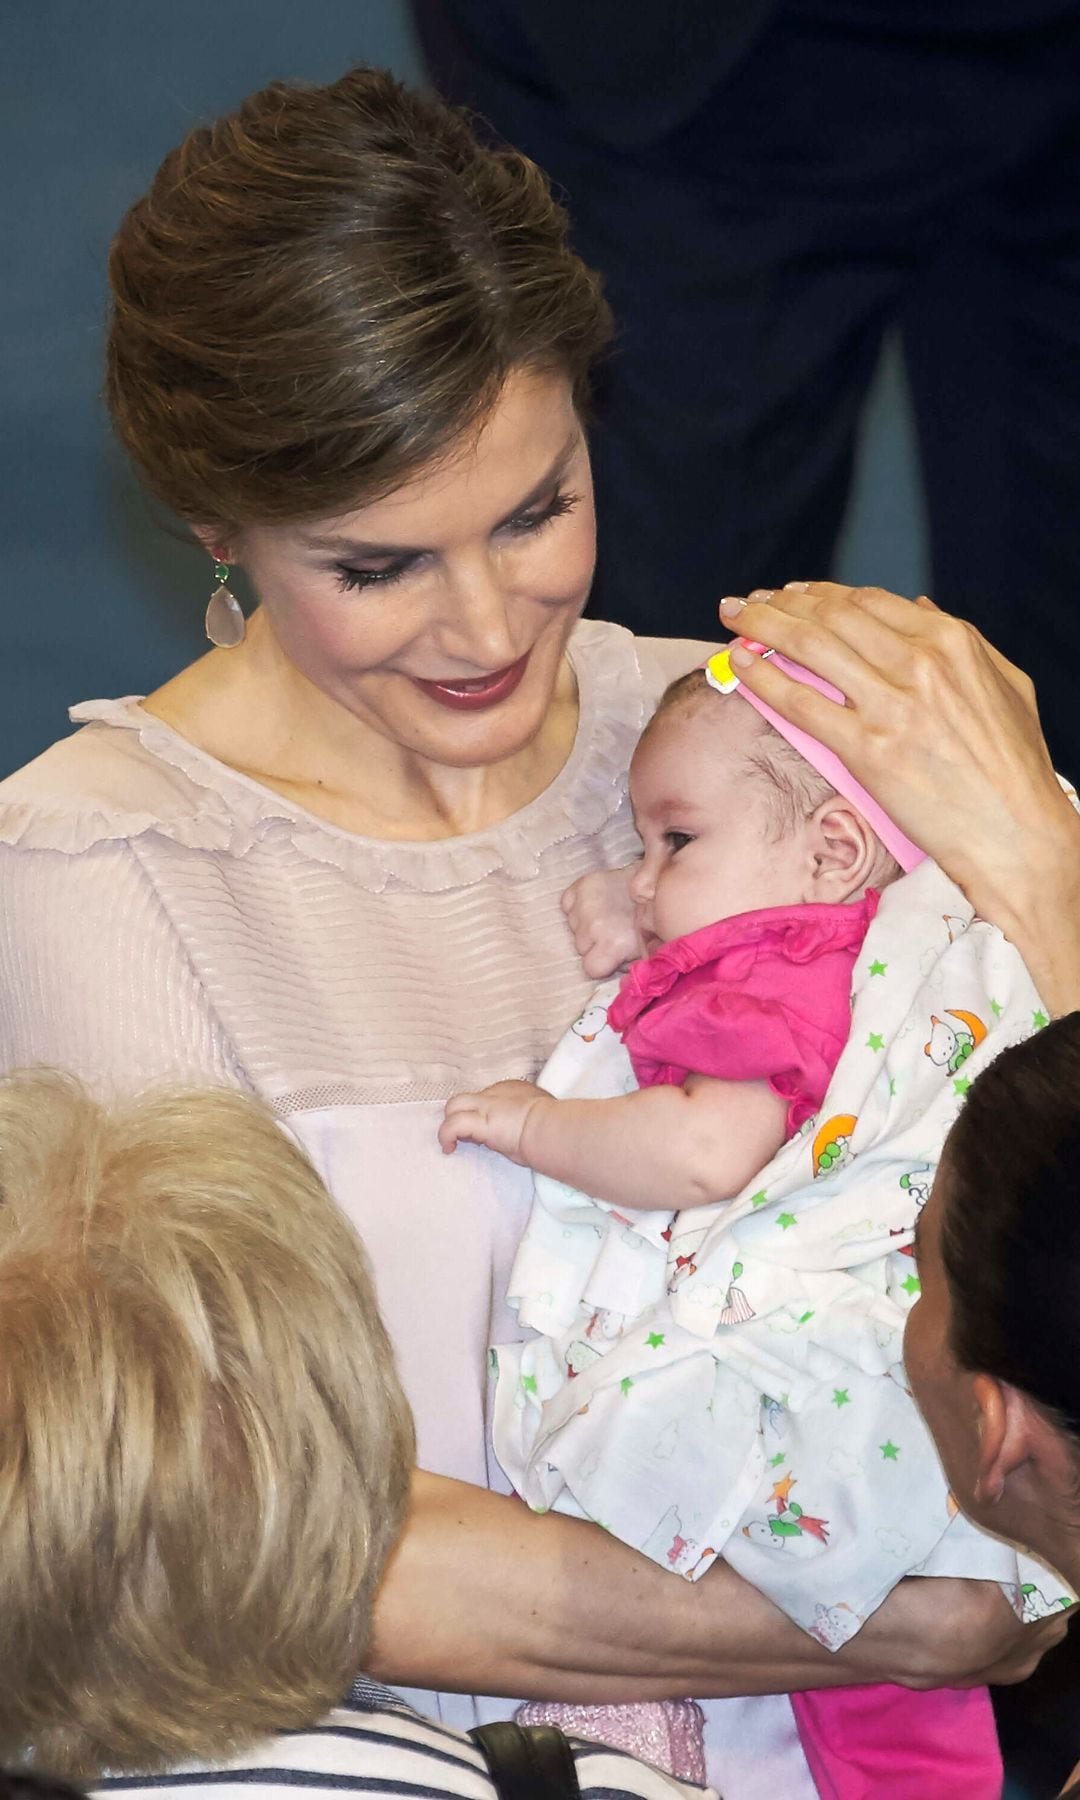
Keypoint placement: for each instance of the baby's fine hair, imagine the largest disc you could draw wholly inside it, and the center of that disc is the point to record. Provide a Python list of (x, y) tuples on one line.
[(204, 1446), (795, 787)]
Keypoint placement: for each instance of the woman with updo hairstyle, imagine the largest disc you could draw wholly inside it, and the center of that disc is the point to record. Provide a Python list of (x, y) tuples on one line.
[(350, 348), (324, 292)]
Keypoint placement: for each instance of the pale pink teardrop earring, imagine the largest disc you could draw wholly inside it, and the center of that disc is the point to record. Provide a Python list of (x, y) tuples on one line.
[(225, 623)]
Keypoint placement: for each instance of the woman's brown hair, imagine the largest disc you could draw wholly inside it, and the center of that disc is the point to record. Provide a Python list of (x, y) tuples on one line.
[(323, 290)]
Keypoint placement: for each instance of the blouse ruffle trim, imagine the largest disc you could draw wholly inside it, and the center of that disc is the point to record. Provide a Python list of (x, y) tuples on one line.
[(233, 813)]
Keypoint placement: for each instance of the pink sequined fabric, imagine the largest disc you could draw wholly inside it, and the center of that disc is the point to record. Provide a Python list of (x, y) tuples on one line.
[(670, 1734)]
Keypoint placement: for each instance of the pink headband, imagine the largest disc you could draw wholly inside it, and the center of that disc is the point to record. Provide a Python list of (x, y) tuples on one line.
[(720, 675)]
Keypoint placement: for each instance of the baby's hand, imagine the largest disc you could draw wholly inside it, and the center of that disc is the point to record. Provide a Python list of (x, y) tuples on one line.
[(603, 919), (495, 1117)]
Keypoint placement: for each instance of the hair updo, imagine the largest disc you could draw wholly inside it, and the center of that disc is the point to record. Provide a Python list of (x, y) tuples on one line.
[(323, 290), (1011, 1221)]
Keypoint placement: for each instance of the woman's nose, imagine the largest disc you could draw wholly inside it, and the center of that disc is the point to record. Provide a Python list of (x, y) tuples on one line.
[(476, 625)]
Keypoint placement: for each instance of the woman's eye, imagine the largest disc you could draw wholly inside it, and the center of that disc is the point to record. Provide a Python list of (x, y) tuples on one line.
[(351, 579), (557, 507), (678, 840)]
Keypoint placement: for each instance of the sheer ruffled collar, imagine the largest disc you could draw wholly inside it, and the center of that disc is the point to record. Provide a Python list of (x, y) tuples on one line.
[(215, 808)]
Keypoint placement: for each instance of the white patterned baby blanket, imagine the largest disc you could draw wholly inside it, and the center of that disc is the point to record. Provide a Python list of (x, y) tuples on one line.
[(729, 1381)]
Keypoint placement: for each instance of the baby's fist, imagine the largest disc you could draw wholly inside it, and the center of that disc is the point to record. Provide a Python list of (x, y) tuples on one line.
[(603, 919), (495, 1117)]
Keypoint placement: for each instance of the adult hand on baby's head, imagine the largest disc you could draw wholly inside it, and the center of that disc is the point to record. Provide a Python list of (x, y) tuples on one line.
[(938, 726), (603, 920), (495, 1117)]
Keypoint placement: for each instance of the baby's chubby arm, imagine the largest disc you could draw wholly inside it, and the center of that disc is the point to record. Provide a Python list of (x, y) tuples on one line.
[(674, 1147)]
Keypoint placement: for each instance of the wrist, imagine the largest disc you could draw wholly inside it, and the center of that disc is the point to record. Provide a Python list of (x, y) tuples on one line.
[(532, 1134), (1035, 902)]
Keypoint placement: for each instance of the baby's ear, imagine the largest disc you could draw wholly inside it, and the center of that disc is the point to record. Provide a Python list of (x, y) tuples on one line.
[(844, 853)]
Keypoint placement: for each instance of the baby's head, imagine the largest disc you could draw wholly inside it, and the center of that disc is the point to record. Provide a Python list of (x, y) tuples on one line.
[(204, 1448), (733, 818)]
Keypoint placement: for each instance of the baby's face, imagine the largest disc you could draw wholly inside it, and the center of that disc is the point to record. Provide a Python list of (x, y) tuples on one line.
[(705, 824)]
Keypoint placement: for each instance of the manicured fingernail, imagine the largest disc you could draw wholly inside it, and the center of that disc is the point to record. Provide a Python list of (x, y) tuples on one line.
[(763, 595), (796, 587), (731, 603), (741, 658)]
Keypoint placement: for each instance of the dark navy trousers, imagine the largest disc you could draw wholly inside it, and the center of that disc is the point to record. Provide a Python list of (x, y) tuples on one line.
[(862, 164)]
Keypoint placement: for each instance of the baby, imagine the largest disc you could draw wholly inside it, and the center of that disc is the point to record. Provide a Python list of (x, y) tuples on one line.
[(755, 891), (729, 1379)]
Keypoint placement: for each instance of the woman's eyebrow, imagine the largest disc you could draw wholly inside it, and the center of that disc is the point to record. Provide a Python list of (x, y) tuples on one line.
[(548, 480), (349, 546)]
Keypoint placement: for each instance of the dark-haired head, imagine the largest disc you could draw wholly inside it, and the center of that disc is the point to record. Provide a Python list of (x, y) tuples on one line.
[(993, 1347), (323, 291)]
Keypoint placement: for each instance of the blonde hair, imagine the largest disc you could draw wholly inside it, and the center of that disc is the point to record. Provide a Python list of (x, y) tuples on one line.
[(204, 1447)]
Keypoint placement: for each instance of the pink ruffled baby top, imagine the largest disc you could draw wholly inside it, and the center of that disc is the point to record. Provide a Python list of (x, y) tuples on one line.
[(762, 996)]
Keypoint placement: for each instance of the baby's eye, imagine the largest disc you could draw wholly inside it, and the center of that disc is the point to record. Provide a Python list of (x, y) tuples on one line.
[(677, 840)]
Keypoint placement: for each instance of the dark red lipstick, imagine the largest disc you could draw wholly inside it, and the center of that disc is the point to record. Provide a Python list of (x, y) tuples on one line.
[(475, 695)]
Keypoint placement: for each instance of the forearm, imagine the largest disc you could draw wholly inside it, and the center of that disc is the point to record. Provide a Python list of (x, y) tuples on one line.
[(672, 1147), (483, 1596)]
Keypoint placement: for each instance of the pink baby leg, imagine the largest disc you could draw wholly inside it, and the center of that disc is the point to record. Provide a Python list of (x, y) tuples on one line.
[(869, 1743)]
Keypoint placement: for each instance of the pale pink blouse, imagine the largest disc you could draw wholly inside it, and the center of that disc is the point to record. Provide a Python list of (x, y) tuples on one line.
[(163, 918)]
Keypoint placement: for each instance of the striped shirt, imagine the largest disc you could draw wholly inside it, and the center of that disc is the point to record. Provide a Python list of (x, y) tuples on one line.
[(375, 1744)]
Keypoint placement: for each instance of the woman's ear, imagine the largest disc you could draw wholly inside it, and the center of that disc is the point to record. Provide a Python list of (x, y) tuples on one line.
[(844, 853), (214, 540)]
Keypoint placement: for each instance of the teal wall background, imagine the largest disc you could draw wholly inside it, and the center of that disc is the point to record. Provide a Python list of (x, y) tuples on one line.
[(99, 596)]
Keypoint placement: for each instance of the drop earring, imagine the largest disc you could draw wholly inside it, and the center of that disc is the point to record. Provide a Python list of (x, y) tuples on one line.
[(225, 623)]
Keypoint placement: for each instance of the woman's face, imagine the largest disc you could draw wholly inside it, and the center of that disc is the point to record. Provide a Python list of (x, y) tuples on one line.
[(438, 616)]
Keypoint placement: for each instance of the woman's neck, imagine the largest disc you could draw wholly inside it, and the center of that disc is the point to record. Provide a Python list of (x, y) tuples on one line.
[(252, 710)]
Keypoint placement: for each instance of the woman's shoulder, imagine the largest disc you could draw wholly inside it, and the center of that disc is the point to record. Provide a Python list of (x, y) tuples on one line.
[(653, 661), (377, 1741), (109, 782)]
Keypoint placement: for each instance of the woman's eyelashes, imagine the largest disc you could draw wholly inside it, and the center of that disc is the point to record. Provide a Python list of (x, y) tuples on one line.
[(556, 508), (350, 579), (521, 525), (677, 840)]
